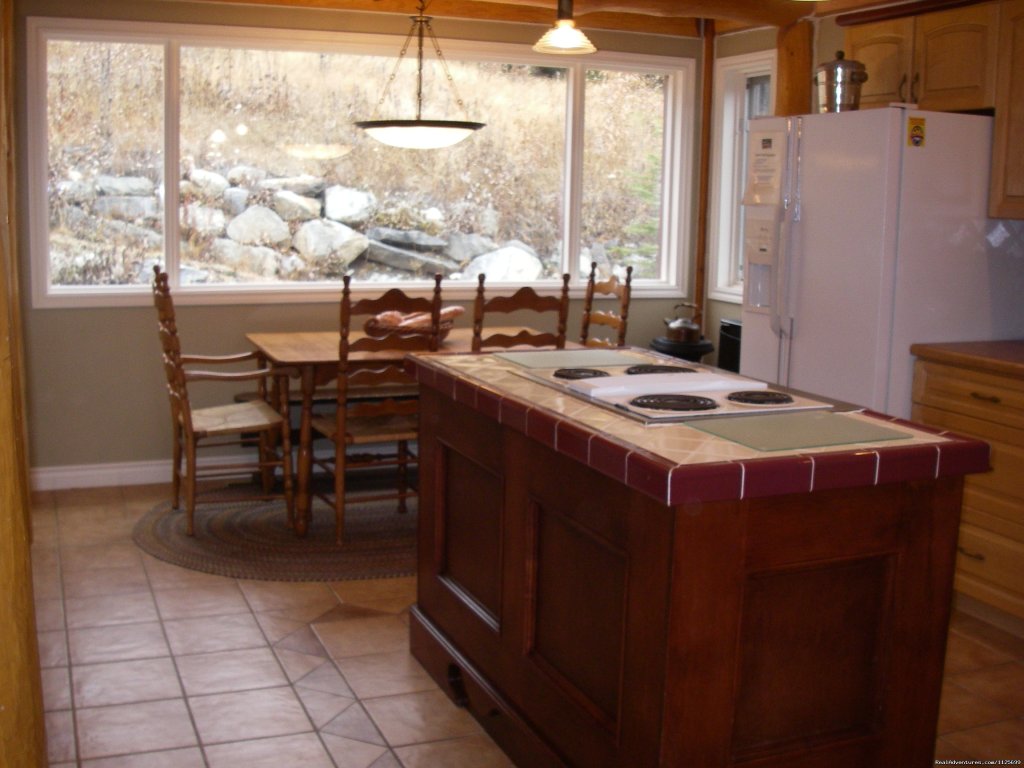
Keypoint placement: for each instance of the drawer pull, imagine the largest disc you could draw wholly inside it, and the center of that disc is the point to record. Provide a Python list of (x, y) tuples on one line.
[(986, 398), (973, 555)]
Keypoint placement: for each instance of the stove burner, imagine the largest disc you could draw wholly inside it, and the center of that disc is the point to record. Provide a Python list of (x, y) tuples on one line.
[(579, 373), (760, 397), (674, 402), (651, 368)]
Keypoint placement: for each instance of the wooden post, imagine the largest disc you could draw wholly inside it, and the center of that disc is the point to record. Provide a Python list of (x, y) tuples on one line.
[(796, 48), (707, 27), (22, 736)]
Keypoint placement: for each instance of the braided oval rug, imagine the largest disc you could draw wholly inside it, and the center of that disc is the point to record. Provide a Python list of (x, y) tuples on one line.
[(251, 540)]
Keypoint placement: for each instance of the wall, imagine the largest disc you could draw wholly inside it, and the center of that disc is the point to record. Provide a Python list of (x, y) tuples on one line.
[(95, 386)]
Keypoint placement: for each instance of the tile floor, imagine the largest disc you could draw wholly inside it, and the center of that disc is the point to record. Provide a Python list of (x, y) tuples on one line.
[(149, 665)]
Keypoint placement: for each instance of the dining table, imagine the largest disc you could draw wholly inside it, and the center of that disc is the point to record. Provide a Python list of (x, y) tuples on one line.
[(314, 354)]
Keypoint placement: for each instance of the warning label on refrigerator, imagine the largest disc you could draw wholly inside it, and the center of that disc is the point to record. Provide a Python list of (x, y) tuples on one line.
[(915, 131)]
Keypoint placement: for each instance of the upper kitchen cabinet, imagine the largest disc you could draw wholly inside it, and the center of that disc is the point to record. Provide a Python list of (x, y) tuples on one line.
[(1006, 198), (943, 61)]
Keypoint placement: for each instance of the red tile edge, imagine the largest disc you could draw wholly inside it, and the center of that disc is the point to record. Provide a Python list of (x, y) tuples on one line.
[(720, 481), (609, 457), (843, 470), (910, 462), (776, 476), (964, 457), (648, 474)]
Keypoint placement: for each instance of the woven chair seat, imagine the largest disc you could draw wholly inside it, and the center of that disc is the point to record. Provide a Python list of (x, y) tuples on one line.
[(235, 418), (376, 429)]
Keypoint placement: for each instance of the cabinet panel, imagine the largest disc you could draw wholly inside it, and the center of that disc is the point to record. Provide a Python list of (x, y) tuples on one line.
[(984, 396), (945, 61), (1006, 198), (955, 58), (886, 51), (990, 557)]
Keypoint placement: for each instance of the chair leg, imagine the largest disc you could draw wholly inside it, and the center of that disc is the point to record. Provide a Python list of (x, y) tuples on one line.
[(403, 475), (190, 488), (286, 471), (266, 465), (176, 470), (339, 490)]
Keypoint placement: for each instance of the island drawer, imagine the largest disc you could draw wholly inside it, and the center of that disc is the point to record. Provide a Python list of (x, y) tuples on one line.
[(991, 568), (981, 395)]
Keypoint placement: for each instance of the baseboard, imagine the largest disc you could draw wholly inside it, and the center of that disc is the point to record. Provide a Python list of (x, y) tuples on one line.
[(127, 473)]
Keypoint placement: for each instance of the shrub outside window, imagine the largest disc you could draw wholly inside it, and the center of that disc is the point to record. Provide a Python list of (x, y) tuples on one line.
[(234, 161)]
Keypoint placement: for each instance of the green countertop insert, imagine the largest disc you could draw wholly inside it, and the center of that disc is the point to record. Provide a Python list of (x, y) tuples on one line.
[(793, 431)]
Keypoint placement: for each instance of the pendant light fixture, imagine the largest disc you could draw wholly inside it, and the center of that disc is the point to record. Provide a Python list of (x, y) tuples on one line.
[(564, 38), (420, 133)]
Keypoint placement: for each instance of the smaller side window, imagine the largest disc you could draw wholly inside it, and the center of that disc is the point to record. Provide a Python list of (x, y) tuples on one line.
[(743, 89)]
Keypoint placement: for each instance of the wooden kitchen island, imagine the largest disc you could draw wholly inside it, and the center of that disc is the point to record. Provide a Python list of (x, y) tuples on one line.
[(601, 593)]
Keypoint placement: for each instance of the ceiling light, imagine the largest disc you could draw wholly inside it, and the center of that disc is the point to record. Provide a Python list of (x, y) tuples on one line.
[(419, 133), (564, 38)]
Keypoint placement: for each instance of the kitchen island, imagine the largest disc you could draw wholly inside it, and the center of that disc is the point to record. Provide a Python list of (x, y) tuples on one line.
[(603, 592)]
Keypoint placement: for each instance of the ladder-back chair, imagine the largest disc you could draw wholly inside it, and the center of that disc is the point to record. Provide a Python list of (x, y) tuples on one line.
[(359, 420), (527, 299), (261, 423), (614, 320)]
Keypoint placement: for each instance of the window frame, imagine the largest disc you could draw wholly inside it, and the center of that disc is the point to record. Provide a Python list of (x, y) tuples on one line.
[(677, 182), (729, 130)]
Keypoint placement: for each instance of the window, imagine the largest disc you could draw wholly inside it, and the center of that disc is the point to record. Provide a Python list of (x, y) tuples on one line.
[(233, 160), (743, 89)]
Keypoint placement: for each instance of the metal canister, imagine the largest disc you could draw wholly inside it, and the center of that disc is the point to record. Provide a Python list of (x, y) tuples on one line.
[(839, 84)]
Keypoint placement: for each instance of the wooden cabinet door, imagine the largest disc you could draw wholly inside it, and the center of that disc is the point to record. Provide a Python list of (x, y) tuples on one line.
[(955, 58), (1006, 198), (886, 51)]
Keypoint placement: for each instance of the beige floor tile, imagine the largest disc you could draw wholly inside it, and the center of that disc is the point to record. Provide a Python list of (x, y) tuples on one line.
[(53, 648), (223, 671), (189, 757), (385, 674), (322, 707), (349, 753), (122, 555), (998, 741), (411, 718), (106, 581), (303, 749), (303, 640), (965, 654), (961, 709), (122, 682), (49, 615), (56, 688), (326, 678), (120, 642), (140, 727), (946, 751), (356, 725), (298, 665), (60, 736), (1002, 685), (283, 595), (244, 715), (132, 608), (392, 595), (214, 633), (277, 627), (358, 637), (467, 752), (220, 600), (169, 576), (113, 531)]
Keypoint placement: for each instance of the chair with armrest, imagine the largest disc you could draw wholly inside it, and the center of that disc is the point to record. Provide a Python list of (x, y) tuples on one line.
[(524, 299), (609, 318), (390, 415), (261, 422)]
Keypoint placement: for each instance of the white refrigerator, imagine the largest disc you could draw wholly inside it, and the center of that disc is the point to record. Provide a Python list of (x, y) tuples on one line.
[(865, 232)]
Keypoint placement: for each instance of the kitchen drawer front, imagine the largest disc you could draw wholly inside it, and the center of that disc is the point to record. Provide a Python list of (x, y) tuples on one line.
[(991, 568), (994, 512), (1007, 458), (999, 399)]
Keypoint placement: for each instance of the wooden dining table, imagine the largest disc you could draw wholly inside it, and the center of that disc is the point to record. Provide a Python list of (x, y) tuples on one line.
[(315, 355)]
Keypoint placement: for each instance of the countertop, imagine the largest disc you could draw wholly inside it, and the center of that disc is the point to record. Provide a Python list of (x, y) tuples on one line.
[(1001, 357), (680, 463)]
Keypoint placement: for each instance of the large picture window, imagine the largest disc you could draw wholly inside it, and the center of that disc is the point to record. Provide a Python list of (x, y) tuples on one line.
[(233, 160)]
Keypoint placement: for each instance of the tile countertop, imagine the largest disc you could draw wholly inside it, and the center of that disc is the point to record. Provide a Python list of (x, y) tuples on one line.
[(677, 463)]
